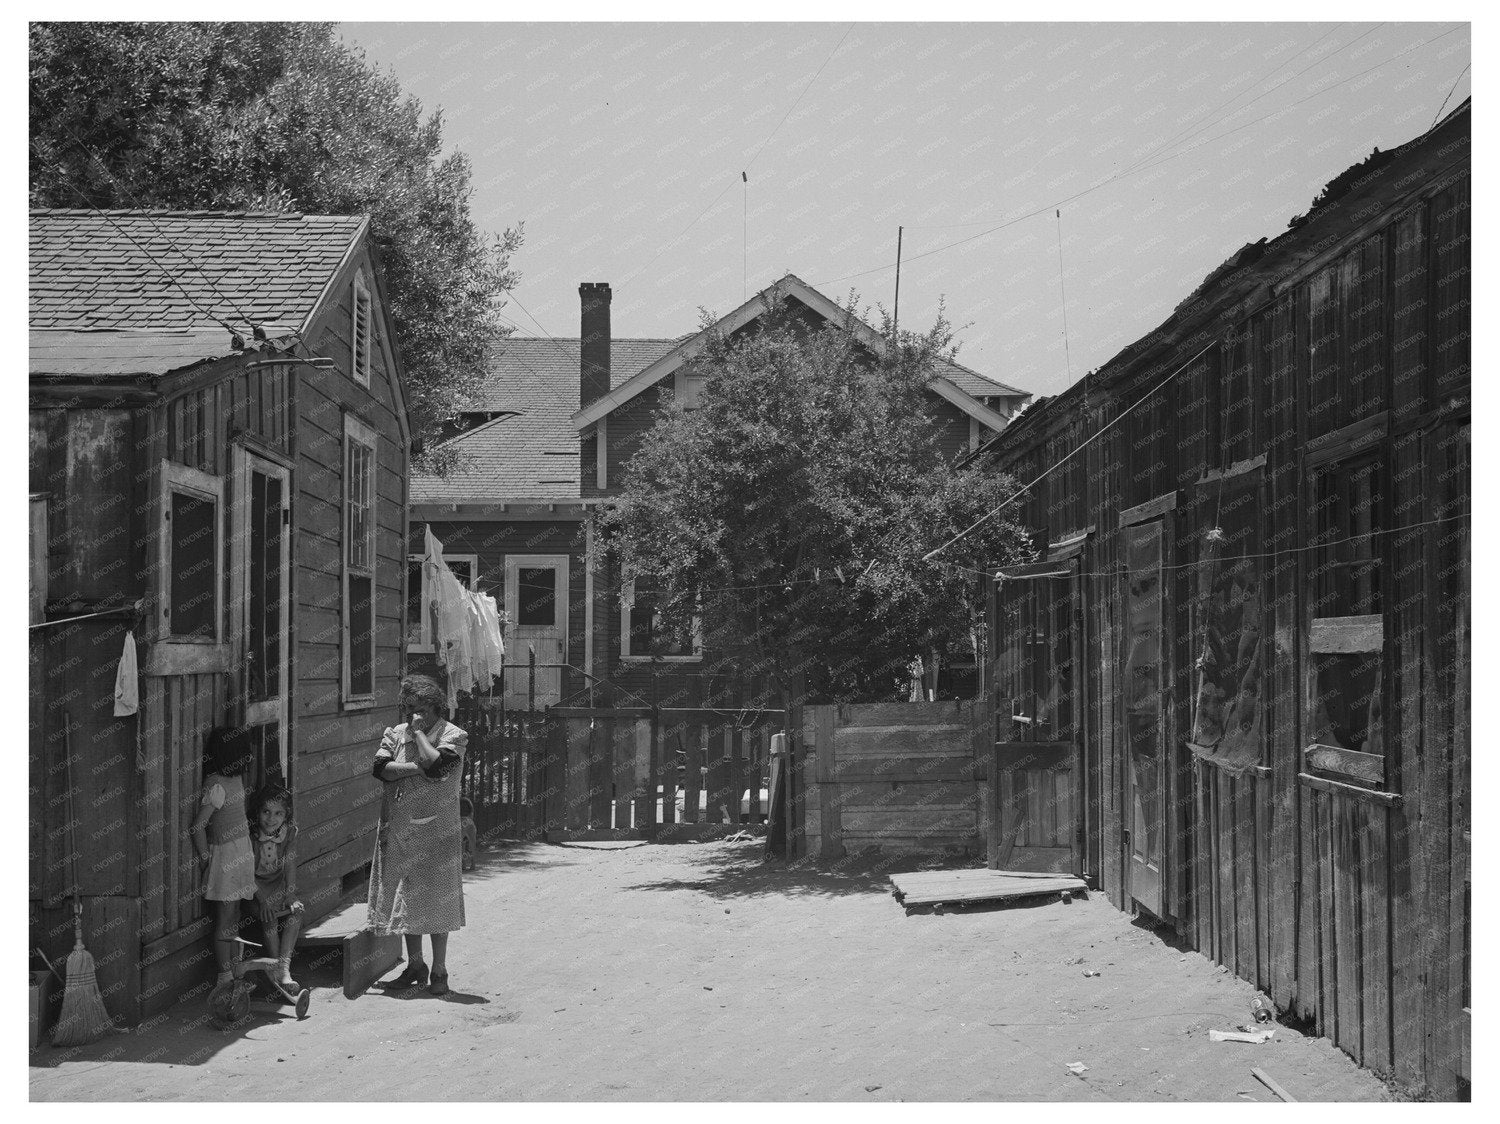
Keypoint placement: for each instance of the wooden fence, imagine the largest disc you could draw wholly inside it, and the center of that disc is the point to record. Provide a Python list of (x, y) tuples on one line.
[(893, 776), (565, 771)]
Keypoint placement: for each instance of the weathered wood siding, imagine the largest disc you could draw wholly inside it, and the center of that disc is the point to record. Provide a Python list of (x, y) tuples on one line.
[(1347, 904), (338, 802)]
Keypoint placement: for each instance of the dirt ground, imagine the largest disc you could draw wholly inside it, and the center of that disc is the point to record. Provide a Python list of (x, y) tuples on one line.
[(695, 972)]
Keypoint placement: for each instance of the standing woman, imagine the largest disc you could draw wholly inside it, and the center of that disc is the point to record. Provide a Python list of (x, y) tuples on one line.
[(416, 879)]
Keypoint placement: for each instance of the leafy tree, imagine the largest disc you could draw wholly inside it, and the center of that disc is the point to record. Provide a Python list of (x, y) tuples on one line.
[(792, 509), (278, 116)]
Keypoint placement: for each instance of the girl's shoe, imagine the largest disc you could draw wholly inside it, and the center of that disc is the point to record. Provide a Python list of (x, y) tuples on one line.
[(439, 983), (415, 975)]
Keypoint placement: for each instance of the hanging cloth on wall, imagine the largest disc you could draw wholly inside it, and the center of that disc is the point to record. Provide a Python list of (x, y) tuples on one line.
[(127, 680)]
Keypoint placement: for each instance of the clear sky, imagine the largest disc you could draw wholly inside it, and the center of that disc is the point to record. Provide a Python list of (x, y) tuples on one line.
[(1167, 147)]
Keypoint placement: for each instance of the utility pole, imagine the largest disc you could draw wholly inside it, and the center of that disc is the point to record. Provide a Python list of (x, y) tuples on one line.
[(896, 315)]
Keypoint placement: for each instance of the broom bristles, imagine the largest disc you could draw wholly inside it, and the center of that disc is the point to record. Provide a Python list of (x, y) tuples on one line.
[(83, 1018)]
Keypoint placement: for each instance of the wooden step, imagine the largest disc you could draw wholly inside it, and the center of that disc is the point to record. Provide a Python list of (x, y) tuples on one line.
[(367, 955), (979, 886)]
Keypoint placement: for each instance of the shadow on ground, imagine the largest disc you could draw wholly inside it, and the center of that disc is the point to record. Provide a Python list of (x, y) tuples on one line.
[(740, 870)]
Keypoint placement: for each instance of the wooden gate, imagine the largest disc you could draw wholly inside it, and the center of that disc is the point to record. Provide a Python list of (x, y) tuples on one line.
[(505, 768)]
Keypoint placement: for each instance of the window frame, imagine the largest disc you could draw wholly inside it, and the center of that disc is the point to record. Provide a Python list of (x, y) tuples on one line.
[(362, 316), (1350, 634), (181, 479), (425, 646), (357, 432), (627, 606)]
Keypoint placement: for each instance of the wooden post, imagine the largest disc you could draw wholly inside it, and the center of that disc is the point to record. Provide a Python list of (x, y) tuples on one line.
[(666, 751), (735, 737), (693, 782), (616, 775), (642, 772)]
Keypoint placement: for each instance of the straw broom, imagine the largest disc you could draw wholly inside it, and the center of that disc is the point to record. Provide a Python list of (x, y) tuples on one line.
[(83, 1018)]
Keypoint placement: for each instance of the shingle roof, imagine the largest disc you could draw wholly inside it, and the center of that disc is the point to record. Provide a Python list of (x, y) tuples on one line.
[(182, 271), (533, 455)]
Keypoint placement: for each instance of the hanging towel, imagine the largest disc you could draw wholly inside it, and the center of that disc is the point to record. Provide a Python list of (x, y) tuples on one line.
[(127, 680)]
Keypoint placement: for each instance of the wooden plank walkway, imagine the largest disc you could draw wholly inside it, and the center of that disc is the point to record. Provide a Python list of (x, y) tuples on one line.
[(936, 887)]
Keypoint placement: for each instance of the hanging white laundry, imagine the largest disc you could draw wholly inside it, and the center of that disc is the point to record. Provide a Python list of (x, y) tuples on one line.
[(127, 680), (449, 602), (494, 637)]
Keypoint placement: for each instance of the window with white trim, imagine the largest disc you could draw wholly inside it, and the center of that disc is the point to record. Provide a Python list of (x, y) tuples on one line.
[(361, 340), (419, 624), (651, 627), (192, 555), (360, 444)]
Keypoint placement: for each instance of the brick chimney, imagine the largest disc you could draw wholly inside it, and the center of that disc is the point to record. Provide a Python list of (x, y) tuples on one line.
[(593, 342)]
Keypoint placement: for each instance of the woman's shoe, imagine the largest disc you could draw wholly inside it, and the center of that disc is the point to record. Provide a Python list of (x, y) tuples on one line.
[(415, 975), (439, 984)]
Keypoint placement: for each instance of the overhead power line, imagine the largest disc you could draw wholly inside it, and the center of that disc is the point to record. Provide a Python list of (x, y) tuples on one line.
[(1142, 168), (1082, 445)]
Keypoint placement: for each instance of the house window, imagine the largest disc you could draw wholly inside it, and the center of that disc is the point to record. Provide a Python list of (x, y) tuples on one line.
[(360, 340), (1345, 671), (650, 627), (192, 554), (420, 625), (359, 561)]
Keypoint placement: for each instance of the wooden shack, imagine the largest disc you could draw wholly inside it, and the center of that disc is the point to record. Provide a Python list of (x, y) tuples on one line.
[(218, 467), (1232, 691)]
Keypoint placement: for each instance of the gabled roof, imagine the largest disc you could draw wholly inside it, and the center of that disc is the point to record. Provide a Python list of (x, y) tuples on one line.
[(957, 383), (532, 455), (159, 290)]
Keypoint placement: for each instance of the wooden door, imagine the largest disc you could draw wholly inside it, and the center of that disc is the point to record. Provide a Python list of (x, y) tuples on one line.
[(536, 603), (260, 603), (1038, 753), (1143, 680)]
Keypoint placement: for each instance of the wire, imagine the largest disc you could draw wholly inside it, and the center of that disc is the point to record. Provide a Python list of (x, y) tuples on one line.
[(1188, 131), (1231, 558), (1292, 78), (1437, 116), (1137, 170), (800, 96), (103, 167), (745, 170), (1081, 446), (1063, 285), (105, 215)]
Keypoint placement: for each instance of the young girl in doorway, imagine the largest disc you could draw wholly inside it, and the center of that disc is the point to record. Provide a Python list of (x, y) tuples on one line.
[(221, 838), (273, 838)]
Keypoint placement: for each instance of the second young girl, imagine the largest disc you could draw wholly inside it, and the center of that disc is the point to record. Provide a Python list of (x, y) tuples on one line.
[(221, 838)]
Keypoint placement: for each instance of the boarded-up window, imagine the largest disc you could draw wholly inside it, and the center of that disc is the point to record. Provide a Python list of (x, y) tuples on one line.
[(657, 625), (191, 554), (1229, 619), (359, 333), (359, 560)]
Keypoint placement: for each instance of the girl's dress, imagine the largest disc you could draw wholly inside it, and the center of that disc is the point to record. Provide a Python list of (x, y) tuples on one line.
[(275, 866), (231, 865), (416, 877)]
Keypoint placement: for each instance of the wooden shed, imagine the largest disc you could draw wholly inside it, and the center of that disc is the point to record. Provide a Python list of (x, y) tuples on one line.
[(1233, 689), (218, 464)]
